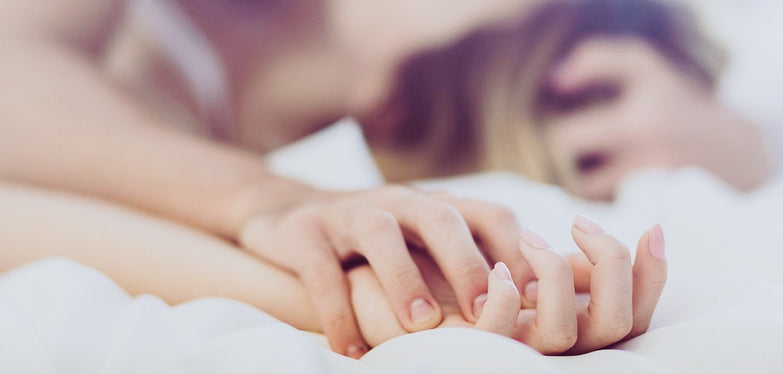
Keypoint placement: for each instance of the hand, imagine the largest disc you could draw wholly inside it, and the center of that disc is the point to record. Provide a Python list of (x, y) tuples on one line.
[(660, 117), (622, 296), (317, 237)]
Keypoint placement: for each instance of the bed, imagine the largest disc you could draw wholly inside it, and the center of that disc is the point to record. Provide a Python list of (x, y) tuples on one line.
[(720, 312)]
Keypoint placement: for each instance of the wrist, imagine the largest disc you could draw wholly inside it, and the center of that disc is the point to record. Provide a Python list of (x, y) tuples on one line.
[(270, 194)]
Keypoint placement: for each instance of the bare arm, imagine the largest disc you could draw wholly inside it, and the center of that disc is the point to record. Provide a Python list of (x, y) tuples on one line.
[(65, 126), (143, 254), (148, 255)]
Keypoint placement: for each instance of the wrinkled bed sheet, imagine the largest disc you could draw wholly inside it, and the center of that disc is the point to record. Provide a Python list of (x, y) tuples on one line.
[(720, 312)]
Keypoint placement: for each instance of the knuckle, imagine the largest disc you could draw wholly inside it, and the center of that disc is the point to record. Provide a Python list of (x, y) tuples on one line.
[(300, 219), (440, 195), (638, 330), (617, 252), (442, 214), (614, 329), (560, 341), (509, 296), (473, 273), (369, 222), (556, 266), (406, 277), (322, 276), (501, 216), (396, 190), (651, 280), (339, 322)]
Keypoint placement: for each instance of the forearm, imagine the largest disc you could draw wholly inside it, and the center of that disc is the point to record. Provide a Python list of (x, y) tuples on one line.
[(65, 126), (143, 254)]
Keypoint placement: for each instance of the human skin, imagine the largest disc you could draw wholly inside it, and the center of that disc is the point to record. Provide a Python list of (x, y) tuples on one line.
[(146, 254), (661, 117), (103, 143)]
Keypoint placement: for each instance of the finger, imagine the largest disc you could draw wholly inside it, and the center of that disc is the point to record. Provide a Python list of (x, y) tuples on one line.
[(497, 230), (582, 269), (503, 303), (649, 278), (553, 328), (377, 319), (608, 317), (325, 282), (377, 236), (602, 61), (447, 238)]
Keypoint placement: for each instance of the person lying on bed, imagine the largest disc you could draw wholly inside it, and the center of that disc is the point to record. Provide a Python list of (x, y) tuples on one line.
[(577, 94), (68, 123)]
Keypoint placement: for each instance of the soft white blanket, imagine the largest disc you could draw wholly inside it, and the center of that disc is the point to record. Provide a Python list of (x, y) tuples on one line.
[(720, 312)]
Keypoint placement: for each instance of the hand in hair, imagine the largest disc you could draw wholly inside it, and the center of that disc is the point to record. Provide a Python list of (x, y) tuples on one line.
[(623, 296), (660, 117)]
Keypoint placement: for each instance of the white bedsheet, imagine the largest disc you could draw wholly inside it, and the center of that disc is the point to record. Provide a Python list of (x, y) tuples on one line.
[(720, 312)]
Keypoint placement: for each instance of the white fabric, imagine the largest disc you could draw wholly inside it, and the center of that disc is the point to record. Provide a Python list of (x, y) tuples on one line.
[(720, 312)]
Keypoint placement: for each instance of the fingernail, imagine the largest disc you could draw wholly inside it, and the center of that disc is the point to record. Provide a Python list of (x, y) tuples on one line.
[(657, 243), (421, 310), (357, 351), (478, 304), (501, 270), (534, 240), (587, 225), (531, 291)]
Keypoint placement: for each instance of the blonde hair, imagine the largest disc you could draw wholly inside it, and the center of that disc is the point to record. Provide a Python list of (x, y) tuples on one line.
[(476, 105)]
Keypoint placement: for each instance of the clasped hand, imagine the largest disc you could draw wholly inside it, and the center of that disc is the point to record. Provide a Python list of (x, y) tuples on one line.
[(447, 280)]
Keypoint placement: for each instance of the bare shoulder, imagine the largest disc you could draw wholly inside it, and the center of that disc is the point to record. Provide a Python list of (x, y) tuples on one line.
[(83, 23)]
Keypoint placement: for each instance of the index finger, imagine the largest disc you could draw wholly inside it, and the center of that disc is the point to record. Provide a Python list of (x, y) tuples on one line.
[(649, 278), (609, 315), (447, 238), (497, 231)]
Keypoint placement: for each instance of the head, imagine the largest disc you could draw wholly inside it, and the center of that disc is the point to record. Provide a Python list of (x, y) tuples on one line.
[(479, 104)]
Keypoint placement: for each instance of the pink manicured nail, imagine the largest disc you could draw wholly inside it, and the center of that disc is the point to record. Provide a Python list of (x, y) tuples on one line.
[(478, 304), (502, 271), (357, 351), (421, 310), (587, 225), (533, 240), (657, 243), (531, 291)]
